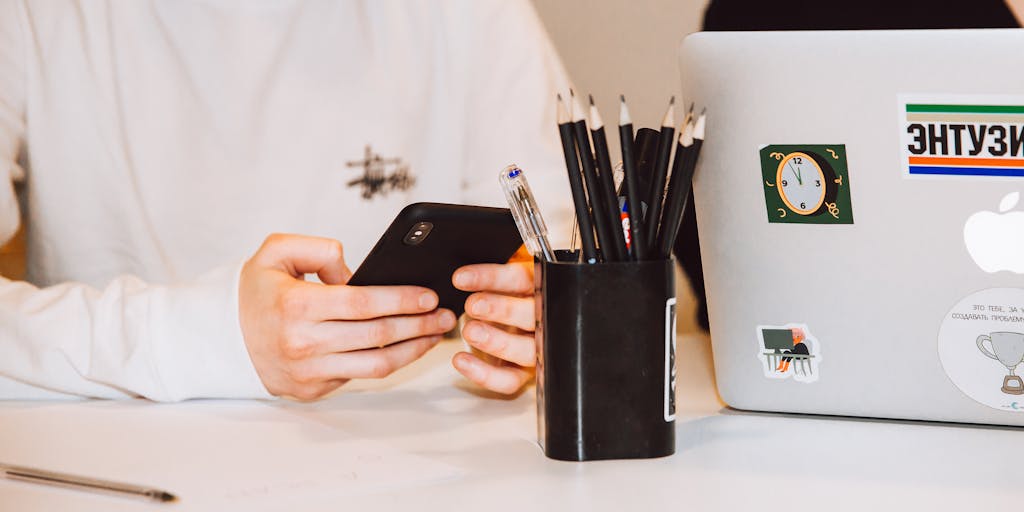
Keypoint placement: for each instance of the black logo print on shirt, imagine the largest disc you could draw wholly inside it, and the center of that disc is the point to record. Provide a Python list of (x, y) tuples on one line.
[(375, 179)]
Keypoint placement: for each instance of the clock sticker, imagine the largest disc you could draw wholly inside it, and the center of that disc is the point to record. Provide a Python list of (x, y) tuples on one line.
[(806, 184)]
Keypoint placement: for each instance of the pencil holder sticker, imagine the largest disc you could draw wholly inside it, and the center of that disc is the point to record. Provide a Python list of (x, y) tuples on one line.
[(806, 183), (789, 352), (670, 359), (981, 347)]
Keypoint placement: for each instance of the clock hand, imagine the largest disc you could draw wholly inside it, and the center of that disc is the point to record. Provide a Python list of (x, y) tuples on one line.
[(795, 173)]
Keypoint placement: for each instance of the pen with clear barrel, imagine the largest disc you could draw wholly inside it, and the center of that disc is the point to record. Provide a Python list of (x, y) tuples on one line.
[(525, 212)]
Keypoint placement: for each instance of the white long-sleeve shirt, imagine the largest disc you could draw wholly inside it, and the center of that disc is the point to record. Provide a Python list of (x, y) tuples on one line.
[(158, 142)]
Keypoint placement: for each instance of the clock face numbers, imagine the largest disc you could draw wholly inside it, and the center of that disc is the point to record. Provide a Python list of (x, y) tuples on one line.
[(806, 183), (801, 183)]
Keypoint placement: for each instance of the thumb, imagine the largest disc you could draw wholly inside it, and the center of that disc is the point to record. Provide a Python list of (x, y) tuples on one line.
[(298, 255)]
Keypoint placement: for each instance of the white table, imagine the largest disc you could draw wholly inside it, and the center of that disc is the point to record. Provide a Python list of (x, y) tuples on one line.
[(725, 459)]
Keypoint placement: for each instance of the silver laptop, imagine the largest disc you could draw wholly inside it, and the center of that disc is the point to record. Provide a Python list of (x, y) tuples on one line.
[(862, 230)]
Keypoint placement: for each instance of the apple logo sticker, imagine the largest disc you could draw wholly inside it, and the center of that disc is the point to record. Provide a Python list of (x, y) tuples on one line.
[(996, 240)]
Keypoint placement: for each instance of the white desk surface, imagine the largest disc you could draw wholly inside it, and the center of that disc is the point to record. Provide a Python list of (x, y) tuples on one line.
[(725, 459)]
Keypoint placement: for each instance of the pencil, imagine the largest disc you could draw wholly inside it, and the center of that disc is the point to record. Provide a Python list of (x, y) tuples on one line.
[(657, 190), (593, 188), (678, 190), (687, 179), (637, 246), (579, 196), (645, 144), (617, 249)]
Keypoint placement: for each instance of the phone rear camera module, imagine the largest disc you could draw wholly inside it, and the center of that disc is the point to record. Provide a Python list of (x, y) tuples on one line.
[(418, 233)]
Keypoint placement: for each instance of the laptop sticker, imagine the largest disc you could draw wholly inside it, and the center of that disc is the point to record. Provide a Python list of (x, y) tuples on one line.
[(958, 136), (995, 241), (981, 347), (806, 183), (789, 352)]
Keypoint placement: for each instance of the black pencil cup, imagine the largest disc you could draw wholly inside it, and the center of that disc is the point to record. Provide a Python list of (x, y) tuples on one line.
[(606, 359)]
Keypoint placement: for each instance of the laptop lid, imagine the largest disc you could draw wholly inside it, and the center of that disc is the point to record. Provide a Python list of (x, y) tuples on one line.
[(858, 194)]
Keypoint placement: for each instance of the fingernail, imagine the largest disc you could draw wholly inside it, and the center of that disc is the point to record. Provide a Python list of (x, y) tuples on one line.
[(476, 333), (481, 307), (428, 301), (447, 320), (464, 278)]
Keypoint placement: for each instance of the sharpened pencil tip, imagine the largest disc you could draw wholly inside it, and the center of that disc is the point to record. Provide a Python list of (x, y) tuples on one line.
[(703, 110), (559, 96), (572, 92), (691, 108), (669, 120), (622, 98), (591, 98)]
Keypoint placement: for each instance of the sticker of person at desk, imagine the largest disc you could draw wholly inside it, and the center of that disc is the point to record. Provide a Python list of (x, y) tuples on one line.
[(789, 351)]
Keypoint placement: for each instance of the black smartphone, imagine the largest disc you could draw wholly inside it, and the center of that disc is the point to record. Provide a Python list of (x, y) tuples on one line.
[(427, 242)]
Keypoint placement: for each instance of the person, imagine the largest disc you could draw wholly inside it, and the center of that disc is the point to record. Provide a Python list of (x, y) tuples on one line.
[(752, 15), (154, 148), (799, 347)]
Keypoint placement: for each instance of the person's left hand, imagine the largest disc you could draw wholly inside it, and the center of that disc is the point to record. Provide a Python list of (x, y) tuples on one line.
[(500, 323)]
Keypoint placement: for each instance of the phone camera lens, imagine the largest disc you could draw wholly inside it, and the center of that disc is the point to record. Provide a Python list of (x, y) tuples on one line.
[(418, 233)]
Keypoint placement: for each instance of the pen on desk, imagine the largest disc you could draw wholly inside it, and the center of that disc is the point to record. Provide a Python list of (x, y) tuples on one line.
[(657, 190), (40, 476), (579, 195), (616, 250), (586, 157), (525, 212), (633, 204), (678, 189)]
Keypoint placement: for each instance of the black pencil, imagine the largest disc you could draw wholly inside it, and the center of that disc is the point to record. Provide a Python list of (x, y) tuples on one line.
[(645, 150), (657, 190), (678, 190), (617, 249), (637, 247), (586, 158), (579, 196), (687, 180)]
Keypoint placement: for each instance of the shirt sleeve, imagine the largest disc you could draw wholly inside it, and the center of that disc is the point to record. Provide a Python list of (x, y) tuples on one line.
[(12, 113), (129, 339), (513, 76)]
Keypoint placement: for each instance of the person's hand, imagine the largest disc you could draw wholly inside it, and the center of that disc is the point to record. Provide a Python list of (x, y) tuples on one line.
[(306, 339), (500, 323)]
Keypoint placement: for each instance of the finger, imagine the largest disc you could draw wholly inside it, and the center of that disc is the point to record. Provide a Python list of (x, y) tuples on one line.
[(346, 336), (360, 302), (520, 349), (515, 278), (502, 379), (373, 363), (502, 309), (298, 255)]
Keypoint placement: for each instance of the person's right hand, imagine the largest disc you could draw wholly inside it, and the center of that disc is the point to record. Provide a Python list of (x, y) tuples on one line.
[(306, 339)]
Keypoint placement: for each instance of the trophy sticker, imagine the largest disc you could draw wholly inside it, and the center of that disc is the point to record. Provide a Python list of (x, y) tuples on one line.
[(789, 352), (981, 346)]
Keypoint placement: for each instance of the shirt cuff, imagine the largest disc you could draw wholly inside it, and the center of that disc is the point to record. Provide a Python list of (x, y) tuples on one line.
[(197, 337)]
